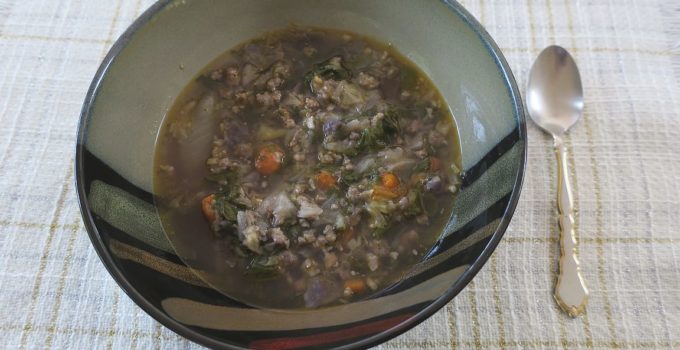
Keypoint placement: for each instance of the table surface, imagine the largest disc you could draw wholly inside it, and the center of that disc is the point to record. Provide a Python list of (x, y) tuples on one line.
[(55, 293)]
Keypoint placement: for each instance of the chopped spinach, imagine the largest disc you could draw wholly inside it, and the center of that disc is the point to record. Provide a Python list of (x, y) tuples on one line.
[(227, 201), (416, 205), (263, 268), (381, 134), (422, 166), (380, 231), (348, 177), (331, 68), (225, 208)]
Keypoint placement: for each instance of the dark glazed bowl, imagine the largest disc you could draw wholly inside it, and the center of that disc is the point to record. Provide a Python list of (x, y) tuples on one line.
[(159, 54)]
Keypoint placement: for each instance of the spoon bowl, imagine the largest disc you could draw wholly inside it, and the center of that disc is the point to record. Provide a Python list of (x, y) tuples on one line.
[(555, 93)]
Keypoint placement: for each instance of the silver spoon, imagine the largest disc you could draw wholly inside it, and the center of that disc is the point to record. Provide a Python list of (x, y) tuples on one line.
[(555, 103)]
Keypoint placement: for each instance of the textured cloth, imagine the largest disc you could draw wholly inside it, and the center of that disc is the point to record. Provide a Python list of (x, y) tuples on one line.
[(55, 293)]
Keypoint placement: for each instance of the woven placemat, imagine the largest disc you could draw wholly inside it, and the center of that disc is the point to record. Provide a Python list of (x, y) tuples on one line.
[(55, 293)]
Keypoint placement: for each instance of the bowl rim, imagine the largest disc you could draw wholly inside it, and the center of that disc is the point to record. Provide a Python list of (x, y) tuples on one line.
[(195, 336)]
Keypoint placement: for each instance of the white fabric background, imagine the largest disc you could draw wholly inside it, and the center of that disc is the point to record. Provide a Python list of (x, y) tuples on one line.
[(55, 293)]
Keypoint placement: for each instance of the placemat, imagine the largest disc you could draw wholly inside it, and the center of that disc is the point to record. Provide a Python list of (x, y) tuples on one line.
[(55, 293)]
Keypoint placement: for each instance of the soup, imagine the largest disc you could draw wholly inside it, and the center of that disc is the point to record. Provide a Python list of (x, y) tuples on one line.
[(306, 168)]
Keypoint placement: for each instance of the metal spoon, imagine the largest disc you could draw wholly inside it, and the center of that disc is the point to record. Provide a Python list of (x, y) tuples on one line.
[(555, 103)]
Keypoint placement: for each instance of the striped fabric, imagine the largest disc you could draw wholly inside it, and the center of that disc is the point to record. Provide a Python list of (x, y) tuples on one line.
[(55, 293)]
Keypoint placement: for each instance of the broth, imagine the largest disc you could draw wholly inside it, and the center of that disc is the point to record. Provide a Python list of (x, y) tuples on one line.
[(305, 168)]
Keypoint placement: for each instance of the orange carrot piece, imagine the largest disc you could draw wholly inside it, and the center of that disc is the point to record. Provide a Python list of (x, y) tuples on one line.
[(207, 207), (325, 180), (356, 285), (269, 159), (390, 181), (384, 192)]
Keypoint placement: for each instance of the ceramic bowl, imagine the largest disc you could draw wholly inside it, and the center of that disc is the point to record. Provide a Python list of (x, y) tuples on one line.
[(171, 42)]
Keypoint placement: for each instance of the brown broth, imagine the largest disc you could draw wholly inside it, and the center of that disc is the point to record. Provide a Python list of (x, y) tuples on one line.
[(185, 143)]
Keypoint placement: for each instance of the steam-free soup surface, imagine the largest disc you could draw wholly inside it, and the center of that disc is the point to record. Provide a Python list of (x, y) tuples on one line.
[(306, 168)]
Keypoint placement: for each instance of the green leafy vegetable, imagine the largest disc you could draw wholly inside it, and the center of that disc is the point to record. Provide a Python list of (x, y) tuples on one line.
[(329, 69), (416, 205), (373, 139), (381, 134), (428, 147), (349, 95), (348, 177), (379, 212), (373, 175), (228, 200), (225, 208), (422, 166), (391, 122), (263, 268)]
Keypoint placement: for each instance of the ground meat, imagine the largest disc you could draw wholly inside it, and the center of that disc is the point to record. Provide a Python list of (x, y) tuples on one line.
[(268, 99), (286, 117), (233, 76), (308, 209), (300, 188), (311, 103), (379, 247), (372, 261), (414, 126), (216, 74), (353, 194), (356, 125), (377, 119), (330, 260), (436, 139), (367, 81), (311, 267), (299, 157), (422, 153), (274, 83), (243, 98), (287, 258), (244, 150), (281, 69), (326, 157), (323, 89), (278, 237)]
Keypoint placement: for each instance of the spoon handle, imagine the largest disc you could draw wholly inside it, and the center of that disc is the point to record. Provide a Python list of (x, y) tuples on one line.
[(570, 292)]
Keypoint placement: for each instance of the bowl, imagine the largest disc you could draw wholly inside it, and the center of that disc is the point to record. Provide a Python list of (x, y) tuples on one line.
[(171, 42)]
